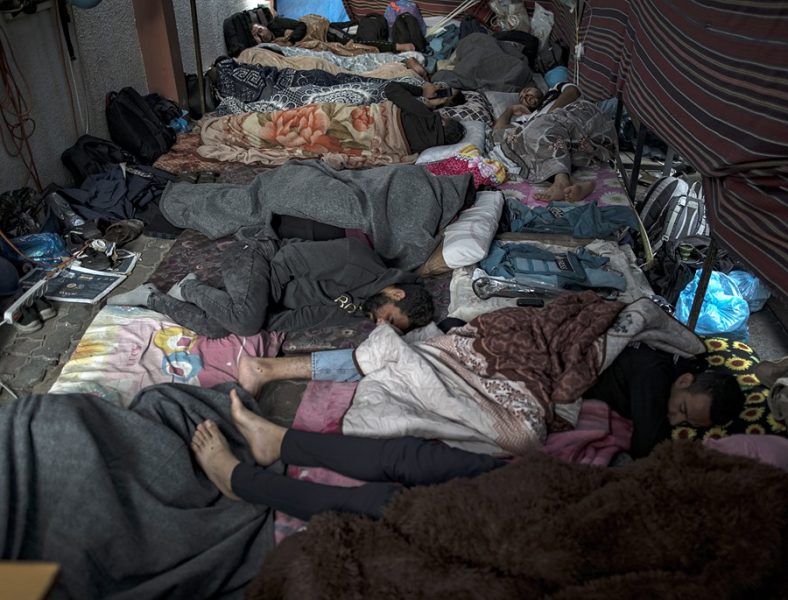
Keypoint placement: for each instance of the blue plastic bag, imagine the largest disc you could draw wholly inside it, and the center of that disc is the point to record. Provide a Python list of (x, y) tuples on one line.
[(45, 249), (724, 310), (752, 289)]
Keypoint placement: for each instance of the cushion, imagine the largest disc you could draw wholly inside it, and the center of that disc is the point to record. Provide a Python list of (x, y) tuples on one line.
[(475, 108), (500, 101), (475, 131), (467, 240), (739, 359)]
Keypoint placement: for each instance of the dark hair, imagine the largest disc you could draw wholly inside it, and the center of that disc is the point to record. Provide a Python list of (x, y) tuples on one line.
[(727, 398), (416, 305), (453, 131)]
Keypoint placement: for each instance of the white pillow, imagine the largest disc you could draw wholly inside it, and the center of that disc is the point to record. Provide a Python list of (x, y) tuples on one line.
[(500, 101), (475, 131), (468, 239)]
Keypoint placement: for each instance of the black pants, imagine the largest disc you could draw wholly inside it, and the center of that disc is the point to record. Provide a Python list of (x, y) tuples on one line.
[(388, 464)]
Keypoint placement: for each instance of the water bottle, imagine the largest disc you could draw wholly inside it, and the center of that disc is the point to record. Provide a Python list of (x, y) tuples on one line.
[(63, 211)]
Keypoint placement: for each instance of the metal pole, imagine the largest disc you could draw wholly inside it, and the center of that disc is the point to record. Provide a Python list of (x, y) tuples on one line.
[(703, 284), (198, 55)]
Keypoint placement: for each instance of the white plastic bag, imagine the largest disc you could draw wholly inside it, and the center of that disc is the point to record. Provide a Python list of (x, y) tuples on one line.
[(542, 24)]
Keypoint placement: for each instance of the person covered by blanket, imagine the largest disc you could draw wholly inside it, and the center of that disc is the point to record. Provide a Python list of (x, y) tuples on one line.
[(291, 286), (650, 387), (544, 136), (658, 390), (387, 465)]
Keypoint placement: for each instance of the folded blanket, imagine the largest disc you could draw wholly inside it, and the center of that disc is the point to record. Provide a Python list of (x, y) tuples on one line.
[(662, 527)]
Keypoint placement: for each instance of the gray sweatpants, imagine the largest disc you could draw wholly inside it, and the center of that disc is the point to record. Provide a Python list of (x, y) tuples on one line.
[(239, 307)]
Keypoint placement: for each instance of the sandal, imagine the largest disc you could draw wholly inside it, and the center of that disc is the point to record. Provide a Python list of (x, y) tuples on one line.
[(123, 232)]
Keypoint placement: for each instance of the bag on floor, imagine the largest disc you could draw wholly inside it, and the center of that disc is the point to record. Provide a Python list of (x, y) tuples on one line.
[(91, 155), (209, 93), (551, 56), (672, 209), (397, 8), (135, 127), (406, 30), (372, 28)]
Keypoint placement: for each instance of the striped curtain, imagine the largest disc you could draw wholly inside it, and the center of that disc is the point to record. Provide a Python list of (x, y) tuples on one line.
[(710, 78)]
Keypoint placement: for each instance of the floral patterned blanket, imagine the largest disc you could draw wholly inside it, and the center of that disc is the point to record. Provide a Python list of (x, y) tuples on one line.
[(340, 134), (492, 386)]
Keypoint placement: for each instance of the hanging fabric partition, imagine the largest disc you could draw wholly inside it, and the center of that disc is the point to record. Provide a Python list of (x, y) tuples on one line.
[(710, 78)]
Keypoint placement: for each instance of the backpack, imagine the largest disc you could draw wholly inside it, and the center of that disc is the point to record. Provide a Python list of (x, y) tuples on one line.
[(209, 92), (237, 29), (372, 28), (469, 25), (164, 108), (406, 30), (552, 55), (673, 210), (397, 8), (135, 127), (91, 155)]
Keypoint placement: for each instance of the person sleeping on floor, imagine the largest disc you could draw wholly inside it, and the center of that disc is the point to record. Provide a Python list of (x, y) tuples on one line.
[(545, 136), (291, 286), (383, 133), (643, 384)]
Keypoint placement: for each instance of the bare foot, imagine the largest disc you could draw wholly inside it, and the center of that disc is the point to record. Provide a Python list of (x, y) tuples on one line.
[(554, 192), (578, 191), (264, 438), (214, 456), (253, 373)]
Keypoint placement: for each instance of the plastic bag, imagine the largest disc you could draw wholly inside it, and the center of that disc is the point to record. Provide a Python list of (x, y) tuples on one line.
[(46, 249), (724, 310), (752, 289), (542, 24)]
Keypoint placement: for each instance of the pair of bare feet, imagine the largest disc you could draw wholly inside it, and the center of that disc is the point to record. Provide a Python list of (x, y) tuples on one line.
[(564, 189), (213, 453)]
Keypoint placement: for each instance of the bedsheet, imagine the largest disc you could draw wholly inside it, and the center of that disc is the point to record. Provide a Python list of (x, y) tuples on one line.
[(608, 190), (126, 349)]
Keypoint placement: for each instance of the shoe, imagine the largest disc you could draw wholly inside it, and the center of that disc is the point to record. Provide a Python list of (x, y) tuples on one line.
[(769, 371), (27, 321), (124, 232), (44, 309)]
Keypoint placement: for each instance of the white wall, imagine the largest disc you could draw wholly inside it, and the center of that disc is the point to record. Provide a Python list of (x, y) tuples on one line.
[(109, 57)]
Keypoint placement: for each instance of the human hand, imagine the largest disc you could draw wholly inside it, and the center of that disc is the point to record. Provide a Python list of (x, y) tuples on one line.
[(405, 47), (520, 109), (429, 90)]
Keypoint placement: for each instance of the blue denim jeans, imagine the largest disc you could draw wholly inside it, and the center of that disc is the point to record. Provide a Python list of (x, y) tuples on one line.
[(334, 365)]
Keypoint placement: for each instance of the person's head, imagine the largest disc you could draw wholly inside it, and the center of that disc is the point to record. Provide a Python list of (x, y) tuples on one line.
[(453, 131), (531, 97), (708, 398), (405, 305), (417, 67), (262, 34)]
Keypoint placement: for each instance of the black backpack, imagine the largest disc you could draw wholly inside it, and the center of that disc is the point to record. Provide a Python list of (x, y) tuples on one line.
[(91, 155), (237, 29), (372, 28), (135, 127), (406, 30), (551, 56)]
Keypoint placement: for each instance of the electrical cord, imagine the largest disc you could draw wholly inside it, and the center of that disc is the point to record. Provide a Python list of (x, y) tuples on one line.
[(15, 111)]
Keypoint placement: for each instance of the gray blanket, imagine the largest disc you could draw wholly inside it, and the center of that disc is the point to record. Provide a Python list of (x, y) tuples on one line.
[(484, 63), (115, 497), (402, 208)]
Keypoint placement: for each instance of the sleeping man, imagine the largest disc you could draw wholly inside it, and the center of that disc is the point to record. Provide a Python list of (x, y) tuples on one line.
[(295, 286), (384, 133), (545, 136)]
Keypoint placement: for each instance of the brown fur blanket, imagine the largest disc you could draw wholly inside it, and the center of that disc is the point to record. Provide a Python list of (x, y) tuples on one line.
[(685, 522)]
